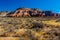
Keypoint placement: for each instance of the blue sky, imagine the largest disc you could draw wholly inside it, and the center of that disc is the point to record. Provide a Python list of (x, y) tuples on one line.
[(11, 5)]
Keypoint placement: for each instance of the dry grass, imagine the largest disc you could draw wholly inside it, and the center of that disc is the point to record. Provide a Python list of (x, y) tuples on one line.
[(35, 28)]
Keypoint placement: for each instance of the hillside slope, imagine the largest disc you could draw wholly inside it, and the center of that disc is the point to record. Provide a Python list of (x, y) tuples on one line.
[(35, 28)]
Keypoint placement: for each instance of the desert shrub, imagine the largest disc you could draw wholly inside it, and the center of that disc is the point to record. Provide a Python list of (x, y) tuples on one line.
[(52, 31), (58, 20), (56, 34), (37, 26), (59, 35), (31, 35)]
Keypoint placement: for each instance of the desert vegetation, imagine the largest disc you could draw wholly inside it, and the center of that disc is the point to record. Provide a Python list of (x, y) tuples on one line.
[(34, 28)]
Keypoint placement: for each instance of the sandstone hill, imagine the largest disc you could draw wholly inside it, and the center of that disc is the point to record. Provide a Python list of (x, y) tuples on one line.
[(29, 12)]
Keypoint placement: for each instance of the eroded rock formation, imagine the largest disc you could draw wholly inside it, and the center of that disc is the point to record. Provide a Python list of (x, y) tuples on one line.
[(29, 12)]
